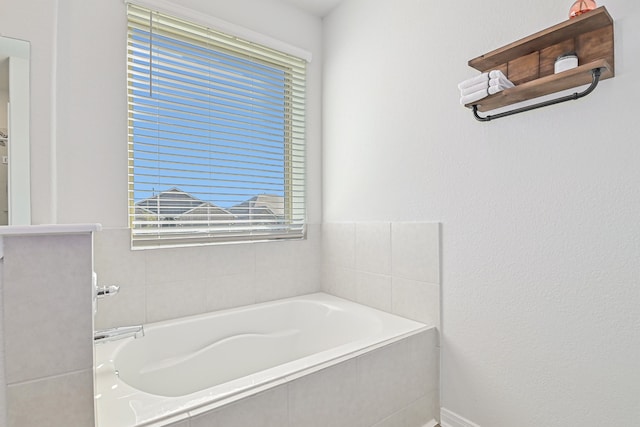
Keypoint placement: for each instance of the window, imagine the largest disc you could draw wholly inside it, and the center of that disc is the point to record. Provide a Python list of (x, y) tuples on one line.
[(216, 136)]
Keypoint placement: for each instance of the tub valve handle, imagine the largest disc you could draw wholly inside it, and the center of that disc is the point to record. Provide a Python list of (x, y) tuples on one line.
[(105, 291)]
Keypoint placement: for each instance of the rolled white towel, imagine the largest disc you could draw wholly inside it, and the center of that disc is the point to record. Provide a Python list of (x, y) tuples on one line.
[(496, 74), (493, 74), (475, 96), (471, 89), (473, 81), (468, 99), (505, 83)]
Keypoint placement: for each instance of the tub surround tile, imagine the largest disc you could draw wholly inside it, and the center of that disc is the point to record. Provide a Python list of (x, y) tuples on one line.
[(216, 276), (397, 266), (338, 244), (305, 255), (125, 308), (422, 362), (286, 269), (373, 247), (391, 377), (198, 262), (266, 409), (325, 398), (314, 238), (51, 254), (413, 415), (415, 251), (226, 260), (176, 264), (275, 284), (381, 380), (62, 401), (48, 330), (284, 283), (374, 290), (115, 262), (276, 255), (308, 278), (416, 300), (335, 258), (289, 253), (47, 308), (231, 291), (340, 281), (171, 300)]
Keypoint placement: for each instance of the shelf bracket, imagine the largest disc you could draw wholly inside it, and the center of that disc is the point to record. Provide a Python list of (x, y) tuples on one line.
[(595, 78)]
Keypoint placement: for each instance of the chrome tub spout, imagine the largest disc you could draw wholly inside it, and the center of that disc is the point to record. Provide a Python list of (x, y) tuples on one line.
[(107, 335)]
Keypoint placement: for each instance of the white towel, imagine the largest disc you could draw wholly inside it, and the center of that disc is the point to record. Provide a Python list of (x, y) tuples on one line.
[(471, 89), (468, 99), (473, 81), (496, 74), (493, 74), (495, 89), (501, 82)]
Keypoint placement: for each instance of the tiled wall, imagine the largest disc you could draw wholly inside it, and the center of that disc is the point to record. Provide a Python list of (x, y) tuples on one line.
[(160, 284), (46, 286), (392, 266), (393, 386)]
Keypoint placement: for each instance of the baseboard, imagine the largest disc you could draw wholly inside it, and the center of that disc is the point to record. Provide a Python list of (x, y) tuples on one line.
[(451, 419), (432, 423)]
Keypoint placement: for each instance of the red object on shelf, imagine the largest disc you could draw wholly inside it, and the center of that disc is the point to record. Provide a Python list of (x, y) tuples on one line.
[(581, 6)]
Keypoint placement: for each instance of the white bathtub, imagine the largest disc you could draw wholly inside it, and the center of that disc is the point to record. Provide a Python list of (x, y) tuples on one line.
[(213, 359)]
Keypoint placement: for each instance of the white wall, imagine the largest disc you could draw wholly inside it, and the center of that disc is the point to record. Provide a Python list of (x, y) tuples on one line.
[(91, 107), (541, 271)]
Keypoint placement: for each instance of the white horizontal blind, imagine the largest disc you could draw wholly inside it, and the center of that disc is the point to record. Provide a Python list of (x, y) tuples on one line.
[(216, 136)]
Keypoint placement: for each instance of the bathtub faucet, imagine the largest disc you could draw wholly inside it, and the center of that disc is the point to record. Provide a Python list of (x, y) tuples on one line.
[(105, 291), (107, 335)]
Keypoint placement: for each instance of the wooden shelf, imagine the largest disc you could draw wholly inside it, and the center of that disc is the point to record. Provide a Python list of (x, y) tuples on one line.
[(594, 20), (529, 62), (543, 86)]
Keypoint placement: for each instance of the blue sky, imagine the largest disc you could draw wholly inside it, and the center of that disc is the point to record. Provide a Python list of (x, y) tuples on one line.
[(221, 141)]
